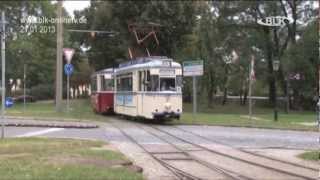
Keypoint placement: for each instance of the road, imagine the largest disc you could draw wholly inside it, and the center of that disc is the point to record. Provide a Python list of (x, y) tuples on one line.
[(199, 152)]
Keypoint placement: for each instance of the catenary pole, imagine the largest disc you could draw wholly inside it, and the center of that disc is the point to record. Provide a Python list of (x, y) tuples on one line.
[(194, 89), (59, 58), (24, 87), (3, 66)]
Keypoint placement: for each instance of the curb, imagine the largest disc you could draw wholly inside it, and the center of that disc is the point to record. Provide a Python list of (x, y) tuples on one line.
[(87, 126), (45, 119), (59, 123)]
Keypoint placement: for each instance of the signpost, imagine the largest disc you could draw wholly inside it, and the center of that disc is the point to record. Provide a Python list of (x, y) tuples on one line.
[(251, 78), (68, 70), (9, 102), (194, 69)]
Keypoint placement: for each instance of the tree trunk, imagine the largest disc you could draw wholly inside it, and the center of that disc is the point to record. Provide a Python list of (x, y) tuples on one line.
[(245, 97), (269, 51), (225, 88), (210, 97), (210, 87)]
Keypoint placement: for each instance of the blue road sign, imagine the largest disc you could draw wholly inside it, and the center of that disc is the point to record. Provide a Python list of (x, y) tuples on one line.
[(9, 102), (68, 69)]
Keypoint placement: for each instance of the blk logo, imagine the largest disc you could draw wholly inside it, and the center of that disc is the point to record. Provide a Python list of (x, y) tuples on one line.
[(275, 21)]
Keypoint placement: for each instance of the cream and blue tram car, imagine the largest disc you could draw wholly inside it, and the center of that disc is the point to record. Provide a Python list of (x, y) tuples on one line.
[(149, 87)]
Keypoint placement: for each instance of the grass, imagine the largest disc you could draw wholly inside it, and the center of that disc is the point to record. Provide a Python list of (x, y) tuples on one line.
[(235, 115), (311, 156), (79, 109), (42, 158), (228, 115)]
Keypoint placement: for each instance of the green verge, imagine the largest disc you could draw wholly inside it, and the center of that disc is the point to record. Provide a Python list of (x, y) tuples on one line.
[(43, 158), (79, 109), (228, 115), (311, 156), (235, 115), (285, 121)]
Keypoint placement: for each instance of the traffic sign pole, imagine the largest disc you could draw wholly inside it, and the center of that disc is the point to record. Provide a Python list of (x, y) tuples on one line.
[(68, 91), (68, 53), (194, 69), (68, 70), (194, 82)]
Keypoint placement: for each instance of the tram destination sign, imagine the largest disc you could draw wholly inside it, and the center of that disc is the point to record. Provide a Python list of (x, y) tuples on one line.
[(193, 68)]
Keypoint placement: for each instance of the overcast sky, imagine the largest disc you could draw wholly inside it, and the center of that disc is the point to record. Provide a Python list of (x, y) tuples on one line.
[(71, 5)]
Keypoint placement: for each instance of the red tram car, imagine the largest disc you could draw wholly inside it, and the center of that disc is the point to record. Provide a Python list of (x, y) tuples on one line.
[(102, 90)]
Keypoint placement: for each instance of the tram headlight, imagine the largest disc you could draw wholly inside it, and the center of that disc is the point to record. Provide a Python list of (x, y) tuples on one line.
[(167, 106)]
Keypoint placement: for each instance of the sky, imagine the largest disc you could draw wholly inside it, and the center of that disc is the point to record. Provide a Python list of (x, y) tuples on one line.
[(71, 5)]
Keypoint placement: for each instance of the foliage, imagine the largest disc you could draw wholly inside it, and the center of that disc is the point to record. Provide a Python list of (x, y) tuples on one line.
[(176, 19), (212, 31), (42, 91), (301, 62)]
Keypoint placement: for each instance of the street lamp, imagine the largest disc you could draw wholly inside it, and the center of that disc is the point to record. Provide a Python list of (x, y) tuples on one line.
[(275, 65)]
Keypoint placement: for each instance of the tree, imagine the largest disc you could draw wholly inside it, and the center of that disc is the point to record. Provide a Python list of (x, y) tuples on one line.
[(26, 45), (176, 18)]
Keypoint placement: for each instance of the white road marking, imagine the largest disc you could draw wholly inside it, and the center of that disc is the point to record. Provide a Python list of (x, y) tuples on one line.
[(37, 133)]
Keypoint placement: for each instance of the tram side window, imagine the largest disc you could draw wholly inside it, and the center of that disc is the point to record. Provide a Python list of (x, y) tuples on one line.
[(124, 83), (118, 84), (155, 83), (148, 82), (140, 81), (94, 84), (167, 84), (106, 84)]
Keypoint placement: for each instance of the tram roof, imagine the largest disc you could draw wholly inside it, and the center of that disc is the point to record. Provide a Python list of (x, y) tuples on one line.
[(148, 62)]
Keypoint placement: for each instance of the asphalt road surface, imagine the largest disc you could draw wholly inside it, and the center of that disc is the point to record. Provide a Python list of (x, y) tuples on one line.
[(204, 152)]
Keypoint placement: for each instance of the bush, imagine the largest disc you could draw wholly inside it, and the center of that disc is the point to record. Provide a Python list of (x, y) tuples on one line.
[(42, 91)]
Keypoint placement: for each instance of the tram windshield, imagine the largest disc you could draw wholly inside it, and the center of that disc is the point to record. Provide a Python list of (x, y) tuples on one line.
[(167, 84)]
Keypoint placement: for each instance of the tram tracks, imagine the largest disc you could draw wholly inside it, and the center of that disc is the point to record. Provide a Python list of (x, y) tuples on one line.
[(266, 166), (188, 156), (252, 153), (166, 161), (226, 172)]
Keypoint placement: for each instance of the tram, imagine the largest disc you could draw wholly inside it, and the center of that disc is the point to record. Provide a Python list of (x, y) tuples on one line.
[(102, 90), (149, 87)]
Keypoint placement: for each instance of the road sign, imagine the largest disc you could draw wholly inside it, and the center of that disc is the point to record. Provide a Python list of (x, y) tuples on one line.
[(9, 102), (193, 68), (68, 69), (68, 53)]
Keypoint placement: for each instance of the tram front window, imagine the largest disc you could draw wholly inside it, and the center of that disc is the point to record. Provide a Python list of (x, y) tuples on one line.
[(167, 84)]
